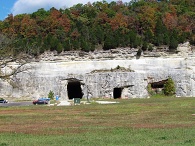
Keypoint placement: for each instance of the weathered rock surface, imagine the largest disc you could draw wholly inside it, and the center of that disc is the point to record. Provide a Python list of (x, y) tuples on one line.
[(102, 74)]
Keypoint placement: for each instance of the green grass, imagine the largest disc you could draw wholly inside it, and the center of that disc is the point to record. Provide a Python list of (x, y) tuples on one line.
[(137, 122), (161, 95)]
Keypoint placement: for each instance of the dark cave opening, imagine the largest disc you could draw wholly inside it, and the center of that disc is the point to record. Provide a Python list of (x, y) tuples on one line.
[(159, 84), (74, 90), (117, 93)]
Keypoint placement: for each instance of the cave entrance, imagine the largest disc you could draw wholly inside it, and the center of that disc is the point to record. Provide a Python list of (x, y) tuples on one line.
[(74, 89), (158, 86), (117, 93)]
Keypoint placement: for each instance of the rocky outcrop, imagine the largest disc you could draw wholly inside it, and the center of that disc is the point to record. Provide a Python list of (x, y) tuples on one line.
[(107, 74)]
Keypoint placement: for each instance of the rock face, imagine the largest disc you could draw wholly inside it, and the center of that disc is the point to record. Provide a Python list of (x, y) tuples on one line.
[(123, 77)]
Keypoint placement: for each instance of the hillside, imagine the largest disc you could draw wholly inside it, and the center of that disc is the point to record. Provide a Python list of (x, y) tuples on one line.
[(100, 25)]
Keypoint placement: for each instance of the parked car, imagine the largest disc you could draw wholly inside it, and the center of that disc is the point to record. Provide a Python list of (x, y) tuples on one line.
[(3, 100), (40, 101)]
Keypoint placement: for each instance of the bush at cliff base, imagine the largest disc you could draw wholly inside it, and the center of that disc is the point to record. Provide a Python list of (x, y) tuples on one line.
[(169, 87)]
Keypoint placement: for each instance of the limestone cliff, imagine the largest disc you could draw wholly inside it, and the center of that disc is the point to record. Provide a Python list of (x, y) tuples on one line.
[(112, 74)]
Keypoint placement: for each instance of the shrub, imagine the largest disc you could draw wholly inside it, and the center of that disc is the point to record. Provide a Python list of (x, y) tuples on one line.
[(173, 44), (145, 46), (51, 95), (169, 87), (150, 91), (150, 48)]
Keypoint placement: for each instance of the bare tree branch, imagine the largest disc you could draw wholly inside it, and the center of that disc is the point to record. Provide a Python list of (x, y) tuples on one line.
[(12, 66), (11, 63)]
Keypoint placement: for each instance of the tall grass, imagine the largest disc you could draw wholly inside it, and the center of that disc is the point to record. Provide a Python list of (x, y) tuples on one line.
[(156, 121)]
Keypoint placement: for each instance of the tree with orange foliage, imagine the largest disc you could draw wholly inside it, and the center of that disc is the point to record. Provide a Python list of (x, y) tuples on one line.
[(28, 27), (147, 18), (170, 20), (118, 21)]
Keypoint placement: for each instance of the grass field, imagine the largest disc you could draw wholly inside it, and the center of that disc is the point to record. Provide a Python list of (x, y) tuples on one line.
[(133, 122)]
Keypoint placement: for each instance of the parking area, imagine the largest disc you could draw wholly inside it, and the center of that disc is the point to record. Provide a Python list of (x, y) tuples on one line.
[(23, 103)]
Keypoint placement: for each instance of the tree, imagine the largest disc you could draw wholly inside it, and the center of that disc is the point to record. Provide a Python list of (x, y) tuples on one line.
[(145, 46), (67, 44), (7, 70), (148, 36), (161, 33), (147, 18), (118, 21), (134, 39), (59, 48), (85, 46), (139, 53), (51, 95), (101, 24), (54, 43), (192, 40), (99, 34), (11, 62), (110, 42), (170, 20), (169, 87), (40, 14), (173, 43), (28, 28)]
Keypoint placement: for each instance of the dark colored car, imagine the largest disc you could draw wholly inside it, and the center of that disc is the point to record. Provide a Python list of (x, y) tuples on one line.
[(40, 101), (3, 101)]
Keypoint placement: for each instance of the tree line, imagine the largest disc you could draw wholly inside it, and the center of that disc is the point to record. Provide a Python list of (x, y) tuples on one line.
[(103, 25)]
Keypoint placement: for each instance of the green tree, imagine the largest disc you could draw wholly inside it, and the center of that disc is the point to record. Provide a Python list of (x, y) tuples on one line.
[(145, 46), (150, 48), (53, 43), (192, 40), (109, 42), (99, 33), (59, 48), (134, 39), (161, 33), (75, 44), (67, 44), (85, 46), (169, 87), (166, 38), (148, 36), (51, 95), (40, 14), (173, 44), (173, 40)]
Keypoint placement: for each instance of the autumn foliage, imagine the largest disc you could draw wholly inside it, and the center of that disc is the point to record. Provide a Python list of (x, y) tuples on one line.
[(109, 25)]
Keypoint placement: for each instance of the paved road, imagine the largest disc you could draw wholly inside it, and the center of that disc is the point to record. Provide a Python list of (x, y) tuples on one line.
[(25, 103)]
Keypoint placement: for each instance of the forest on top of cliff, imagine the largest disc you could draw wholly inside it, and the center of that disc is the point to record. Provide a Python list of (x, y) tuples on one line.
[(100, 25)]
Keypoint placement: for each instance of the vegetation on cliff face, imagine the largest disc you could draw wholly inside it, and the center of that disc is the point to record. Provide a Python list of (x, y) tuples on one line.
[(109, 25)]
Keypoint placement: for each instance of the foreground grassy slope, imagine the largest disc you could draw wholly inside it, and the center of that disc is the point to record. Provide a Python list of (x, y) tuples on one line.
[(162, 121)]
